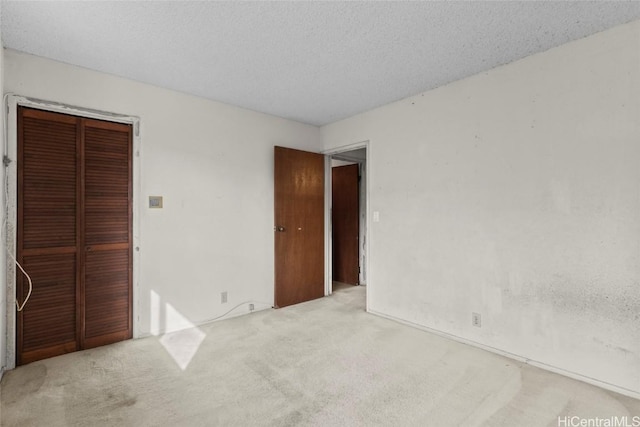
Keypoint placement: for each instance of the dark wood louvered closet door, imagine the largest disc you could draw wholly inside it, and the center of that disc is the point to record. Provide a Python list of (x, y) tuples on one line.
[(74, 233)]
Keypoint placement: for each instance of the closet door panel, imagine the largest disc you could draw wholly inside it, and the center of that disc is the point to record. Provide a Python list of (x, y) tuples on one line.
[(47, 244), (107, 233)]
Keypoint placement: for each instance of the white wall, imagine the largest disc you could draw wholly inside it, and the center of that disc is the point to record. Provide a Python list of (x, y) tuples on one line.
[(213, 164), (516, 194)]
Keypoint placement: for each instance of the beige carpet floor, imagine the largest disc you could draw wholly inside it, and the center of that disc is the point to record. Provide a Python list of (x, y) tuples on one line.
[(321, 363)]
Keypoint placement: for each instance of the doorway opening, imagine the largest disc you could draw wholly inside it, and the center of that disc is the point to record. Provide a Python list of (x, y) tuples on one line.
[(347, 215), (304, 263)]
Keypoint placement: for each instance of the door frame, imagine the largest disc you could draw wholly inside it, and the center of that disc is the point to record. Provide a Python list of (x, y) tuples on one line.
[(328, 285), (9, 197)]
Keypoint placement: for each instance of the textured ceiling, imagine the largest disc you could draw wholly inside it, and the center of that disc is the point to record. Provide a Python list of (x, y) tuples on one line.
[(315, 62)]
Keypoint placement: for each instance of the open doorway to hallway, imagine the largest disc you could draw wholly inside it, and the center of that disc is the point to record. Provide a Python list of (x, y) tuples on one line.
[(348, 219)]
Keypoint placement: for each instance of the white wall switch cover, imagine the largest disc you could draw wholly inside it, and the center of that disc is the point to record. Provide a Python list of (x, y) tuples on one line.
[(155, 202)]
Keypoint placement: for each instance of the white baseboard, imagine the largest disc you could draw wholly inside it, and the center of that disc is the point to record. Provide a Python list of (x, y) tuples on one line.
[(228, 315), (537, 364)]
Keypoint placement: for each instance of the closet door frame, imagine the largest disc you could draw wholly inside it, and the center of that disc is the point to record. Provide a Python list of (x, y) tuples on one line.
[(10, 200)]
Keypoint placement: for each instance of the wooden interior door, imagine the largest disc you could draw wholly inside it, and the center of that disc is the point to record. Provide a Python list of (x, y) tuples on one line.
[(74, 233), (345, 223), (299, 226)]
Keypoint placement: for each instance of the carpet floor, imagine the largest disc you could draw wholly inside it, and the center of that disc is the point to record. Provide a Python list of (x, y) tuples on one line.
[(322, 363)]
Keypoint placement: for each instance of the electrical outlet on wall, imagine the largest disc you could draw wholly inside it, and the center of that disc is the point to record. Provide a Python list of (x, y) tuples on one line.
[(251, 307), (223, 297), (476, 320)]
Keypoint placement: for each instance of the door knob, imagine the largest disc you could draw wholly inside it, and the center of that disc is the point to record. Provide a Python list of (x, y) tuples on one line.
[(280, 228)]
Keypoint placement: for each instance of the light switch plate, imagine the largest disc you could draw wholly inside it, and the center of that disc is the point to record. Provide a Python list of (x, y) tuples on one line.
[(155, 202)]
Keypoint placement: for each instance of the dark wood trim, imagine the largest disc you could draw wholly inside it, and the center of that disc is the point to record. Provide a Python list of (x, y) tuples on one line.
[(49, 251), (107, 247), (33, 355), (80, 224), (19, 235), (106, 339), (130, 200), (47, 115), (102, 124)]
